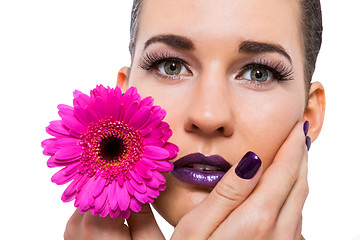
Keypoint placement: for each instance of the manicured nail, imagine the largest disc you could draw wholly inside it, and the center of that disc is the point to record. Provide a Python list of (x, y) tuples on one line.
[(308, 142), (306, 127), (248, 166)]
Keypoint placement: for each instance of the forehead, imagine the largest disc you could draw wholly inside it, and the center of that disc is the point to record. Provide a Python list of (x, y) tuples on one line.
[(224, 21)]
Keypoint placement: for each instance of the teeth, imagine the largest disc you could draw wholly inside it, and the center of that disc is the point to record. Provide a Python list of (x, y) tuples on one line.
[(204, 167)]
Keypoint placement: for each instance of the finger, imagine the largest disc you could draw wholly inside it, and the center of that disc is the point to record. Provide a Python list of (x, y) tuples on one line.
[(229, 193), (278, 180), (291, 211), (258, 215), (87, 226), (143, 225)]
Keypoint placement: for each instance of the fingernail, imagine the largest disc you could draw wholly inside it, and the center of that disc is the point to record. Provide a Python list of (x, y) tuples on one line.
[(306, 127), (248, 166), (308, 142)]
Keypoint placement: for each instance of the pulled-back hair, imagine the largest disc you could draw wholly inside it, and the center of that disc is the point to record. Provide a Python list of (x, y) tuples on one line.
[(311, 22)]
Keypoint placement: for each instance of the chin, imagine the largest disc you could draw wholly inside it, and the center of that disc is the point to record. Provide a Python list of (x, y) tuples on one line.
[(178, 199)]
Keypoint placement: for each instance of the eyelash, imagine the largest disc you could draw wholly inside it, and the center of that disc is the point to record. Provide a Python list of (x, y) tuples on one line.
[(280, 71)]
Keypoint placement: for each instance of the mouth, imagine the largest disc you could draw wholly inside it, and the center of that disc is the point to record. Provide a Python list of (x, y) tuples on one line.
[(201, 170)]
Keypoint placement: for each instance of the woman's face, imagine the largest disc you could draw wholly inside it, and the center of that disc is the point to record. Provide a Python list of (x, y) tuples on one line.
[(228, 73)]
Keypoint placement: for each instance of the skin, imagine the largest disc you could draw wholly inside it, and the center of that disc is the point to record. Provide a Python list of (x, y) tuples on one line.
[(212, 108)]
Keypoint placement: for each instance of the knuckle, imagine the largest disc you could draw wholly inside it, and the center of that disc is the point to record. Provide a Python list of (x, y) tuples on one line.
[(228, 192), (265, 222)]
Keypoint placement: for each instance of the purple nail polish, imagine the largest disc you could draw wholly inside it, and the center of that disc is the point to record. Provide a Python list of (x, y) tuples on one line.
[(308, 142), (306, 127), (248, 166)]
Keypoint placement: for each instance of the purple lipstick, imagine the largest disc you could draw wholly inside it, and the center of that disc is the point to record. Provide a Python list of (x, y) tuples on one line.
[(201, 170)]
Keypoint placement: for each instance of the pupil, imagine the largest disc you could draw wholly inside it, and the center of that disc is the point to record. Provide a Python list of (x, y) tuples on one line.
[(259, 75), (172, 68), (111, 149)]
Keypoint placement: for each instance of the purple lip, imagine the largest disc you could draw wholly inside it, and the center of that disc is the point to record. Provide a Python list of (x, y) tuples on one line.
[(201, 170)]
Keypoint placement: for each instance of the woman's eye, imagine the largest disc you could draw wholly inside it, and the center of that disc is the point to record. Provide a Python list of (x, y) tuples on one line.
[(257, 74), (172, 68)]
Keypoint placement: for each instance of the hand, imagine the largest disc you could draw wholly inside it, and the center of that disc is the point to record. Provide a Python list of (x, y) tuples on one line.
[(142, 225), (267, 206)]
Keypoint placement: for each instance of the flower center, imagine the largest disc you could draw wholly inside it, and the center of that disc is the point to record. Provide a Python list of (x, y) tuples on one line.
[(111, 149)]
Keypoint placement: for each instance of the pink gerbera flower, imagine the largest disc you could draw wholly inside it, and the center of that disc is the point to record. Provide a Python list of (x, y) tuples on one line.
[(113, 148)]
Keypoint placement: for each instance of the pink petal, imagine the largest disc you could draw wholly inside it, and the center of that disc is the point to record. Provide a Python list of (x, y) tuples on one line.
[(66, 142), (99, 107), (172, 149), (65, 162), (71, 169), (70, 191), (139, 187), (141, 197), (59, 178), (65, 110), (134, 106), (81, 114), (152, 193), (84, 200), (105, 211), (148, 101), (135, 204), (164, 166), (152, 182), (98, 186), (80, 99), (123, 197), (114, 213), (101, 201), (125, 214), (58, 127), (113, 196), (140, 118), (51, 163), (153, 141), (68, 152), (159, 177), (142, 170), (82, 183), (136, 177), (74, 124), (130, 189), (149, 163), (162, 187), (154, 152)]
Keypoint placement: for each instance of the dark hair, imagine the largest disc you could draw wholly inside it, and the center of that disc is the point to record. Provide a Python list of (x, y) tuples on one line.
[(311, 21)]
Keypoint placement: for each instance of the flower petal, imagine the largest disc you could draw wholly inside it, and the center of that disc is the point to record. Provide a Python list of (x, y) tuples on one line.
[(139, 187), (58, 127), (136, 177), (141, 197), (125, 214), (142, 170), (113, 196), (98, 186), (69, 152), (123, 197), (134, 106), (66, 142), (59, 178), (74, 124), (154, 152), (164, 166), (140, 118), (70, 191), (101, 201), (134, 204)]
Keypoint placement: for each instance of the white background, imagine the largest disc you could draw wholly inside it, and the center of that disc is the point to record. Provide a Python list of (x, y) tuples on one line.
[(49, 48)]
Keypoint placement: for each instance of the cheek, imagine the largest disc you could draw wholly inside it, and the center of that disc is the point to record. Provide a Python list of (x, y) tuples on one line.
[(266, 122)]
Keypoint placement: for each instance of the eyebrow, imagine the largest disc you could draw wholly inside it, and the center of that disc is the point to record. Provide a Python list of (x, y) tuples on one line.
[(175, 41), (259, 47)]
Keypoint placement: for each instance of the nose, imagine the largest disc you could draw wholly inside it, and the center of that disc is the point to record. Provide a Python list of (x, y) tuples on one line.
[(209, 112)]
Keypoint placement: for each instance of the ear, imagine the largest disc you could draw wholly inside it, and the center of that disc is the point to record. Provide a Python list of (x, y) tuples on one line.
[(123, 78), (315, 110)]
